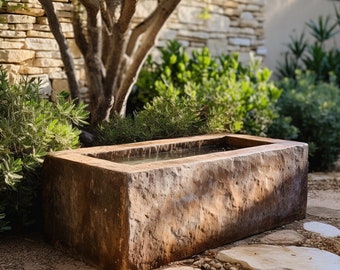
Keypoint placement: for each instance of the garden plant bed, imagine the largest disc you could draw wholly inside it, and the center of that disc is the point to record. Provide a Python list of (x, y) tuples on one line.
[(141, 216)]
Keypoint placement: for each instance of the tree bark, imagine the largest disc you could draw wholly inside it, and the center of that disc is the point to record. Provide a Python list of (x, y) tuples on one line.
[(112, 50), (66, 55)]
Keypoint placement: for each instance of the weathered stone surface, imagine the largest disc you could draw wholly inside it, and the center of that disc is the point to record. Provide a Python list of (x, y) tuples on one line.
[(60, 85), (323, 229), (240, 41), (12, 34), (13, 18), (284, 237), (166, 210), (5, 44), (42, 62), (40, 34), (269, 257), (190, 15), (24, 70), (15, 56), (20, 26), (41, 44), (48, 54), (217, 46), (324, 212), (218, 23)]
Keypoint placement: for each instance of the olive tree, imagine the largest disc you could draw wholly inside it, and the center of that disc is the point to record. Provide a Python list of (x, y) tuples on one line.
[(113, 47)]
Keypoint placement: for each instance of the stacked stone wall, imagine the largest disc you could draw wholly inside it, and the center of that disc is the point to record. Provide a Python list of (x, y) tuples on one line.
[(27, 46)]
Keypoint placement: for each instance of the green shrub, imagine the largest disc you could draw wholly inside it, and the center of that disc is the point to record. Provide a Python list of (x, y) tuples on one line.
[(198, 94), (314, 111), (30, 127), (314, 55)]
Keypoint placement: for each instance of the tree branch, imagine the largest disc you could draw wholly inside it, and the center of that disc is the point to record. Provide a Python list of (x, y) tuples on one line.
[(141, 41), (128, 10), (155, 20), (63, 46)]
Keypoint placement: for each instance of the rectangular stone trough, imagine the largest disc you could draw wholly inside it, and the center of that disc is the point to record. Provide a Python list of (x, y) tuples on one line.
[(142, 205)]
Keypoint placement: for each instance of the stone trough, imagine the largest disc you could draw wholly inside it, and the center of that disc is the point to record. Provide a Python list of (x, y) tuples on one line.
[(143, 205)]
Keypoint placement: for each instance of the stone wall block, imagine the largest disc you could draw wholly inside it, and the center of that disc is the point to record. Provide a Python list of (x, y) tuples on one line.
[(57, 75), (41, 27), (261, 51), (65, 6), (218, 23), (193, 34), (14, 18), (39, 34), (3, 26), (48, 54), (15, 56), (65, 14), (20, 26), (60, 85), (28, 70), (232, 12), (41, 44), (12, 71), (66, 27), (43, 62), (252, 8), (240, 41), (12, 34), (190, 15), (217, 46), (42, 21), (5, 44)]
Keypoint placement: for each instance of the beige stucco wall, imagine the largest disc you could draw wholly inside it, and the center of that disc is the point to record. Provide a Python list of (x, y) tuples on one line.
[(284, 17)]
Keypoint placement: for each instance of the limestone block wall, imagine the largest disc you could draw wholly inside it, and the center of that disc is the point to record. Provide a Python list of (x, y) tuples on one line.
[(27, 46)]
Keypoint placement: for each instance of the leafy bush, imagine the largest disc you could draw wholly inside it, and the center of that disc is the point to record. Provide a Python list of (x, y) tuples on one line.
[(30, 127), (314, 56), (198, 95), (314, 111)]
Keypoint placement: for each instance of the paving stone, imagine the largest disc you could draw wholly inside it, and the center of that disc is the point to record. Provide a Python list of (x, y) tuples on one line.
[(285, 237), (269, 257), (324, 212), (323, 229), (324, 198)]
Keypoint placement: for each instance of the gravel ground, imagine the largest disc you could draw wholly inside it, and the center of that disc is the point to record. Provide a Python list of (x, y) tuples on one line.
[(30, 252)]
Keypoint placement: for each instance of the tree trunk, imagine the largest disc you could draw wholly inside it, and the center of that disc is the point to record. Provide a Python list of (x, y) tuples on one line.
[(113, 51)]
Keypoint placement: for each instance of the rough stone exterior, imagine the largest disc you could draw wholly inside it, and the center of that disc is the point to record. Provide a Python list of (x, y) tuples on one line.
[(138, 217), (28, 48)]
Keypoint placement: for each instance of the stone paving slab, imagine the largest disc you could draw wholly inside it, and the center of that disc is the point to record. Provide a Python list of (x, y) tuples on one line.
[(269, 257), (284, 237), (323, 229), (324, 212)]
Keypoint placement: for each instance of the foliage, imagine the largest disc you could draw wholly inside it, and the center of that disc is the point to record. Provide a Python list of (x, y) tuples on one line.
[(113, 45), (314, 56), (314, 111), (201, 94), (30, 127)]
